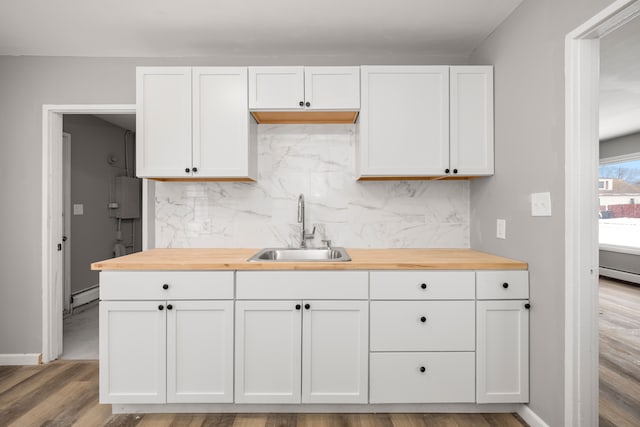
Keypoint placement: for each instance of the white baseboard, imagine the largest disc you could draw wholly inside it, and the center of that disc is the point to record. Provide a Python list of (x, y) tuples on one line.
[(620, 275), (85, 296), (20, 359), (531, 417)]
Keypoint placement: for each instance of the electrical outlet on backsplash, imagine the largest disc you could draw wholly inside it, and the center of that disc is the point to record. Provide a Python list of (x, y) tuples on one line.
[(319, 162)]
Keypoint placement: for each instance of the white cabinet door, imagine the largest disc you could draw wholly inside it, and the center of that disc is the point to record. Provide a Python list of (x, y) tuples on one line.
[(268, 357), (502, 351), (335, 352), (132, 352), (163, 122), (199, 351), (471, 140), (332, 88), (221, 123), (404, 121), (276, 88)]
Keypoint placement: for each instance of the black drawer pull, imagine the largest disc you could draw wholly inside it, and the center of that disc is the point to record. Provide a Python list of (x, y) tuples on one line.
[(423, 286), (423, 319), (505, 285), (423, 369), (165, 286)]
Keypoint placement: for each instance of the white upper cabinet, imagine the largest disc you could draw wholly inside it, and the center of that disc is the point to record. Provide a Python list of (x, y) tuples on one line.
[(471, 138), (426, 121), (404, 121), (194, 123), (163, 121), (304, 88)]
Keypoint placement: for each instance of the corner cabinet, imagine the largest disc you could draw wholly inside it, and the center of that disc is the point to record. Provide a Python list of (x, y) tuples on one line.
[(425, 121), (166, 337), (296, 343), (194, 123)]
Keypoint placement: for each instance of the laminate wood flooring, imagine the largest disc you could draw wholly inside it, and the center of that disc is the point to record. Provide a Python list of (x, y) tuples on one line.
[(619, 325), (65, 393)]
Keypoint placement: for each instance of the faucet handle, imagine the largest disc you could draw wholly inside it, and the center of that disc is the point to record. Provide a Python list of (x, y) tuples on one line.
[(327, 243)]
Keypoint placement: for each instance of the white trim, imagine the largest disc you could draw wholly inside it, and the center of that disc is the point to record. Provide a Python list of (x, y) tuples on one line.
[(51, 296), (620, 275), (66, 210), (530, 417), (581, 233), (20, 359)]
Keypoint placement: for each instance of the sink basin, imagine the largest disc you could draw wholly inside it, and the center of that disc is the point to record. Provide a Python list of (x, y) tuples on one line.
[(301, 255)]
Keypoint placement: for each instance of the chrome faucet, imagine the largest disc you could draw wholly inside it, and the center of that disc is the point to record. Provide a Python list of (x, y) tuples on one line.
[(304, 236)]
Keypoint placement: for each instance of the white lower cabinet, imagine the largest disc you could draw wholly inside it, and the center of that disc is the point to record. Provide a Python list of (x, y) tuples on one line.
[(176, 346), (301, 351), (503, 351), (419, 377)]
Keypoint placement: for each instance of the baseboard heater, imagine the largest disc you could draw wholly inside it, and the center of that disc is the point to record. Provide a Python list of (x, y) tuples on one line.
[(85, 296), (620, 275)]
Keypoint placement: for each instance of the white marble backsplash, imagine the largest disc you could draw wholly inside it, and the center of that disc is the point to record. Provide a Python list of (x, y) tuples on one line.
[(319, 161)]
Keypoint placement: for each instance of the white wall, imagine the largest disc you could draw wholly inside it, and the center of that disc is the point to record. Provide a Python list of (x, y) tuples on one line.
[(527, 51), (29, 82), (317, 160)]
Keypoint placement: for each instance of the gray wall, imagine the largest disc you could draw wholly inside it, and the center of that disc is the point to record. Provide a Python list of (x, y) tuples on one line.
[(527, 51), (93, 141), (29, 82), (620, 146)]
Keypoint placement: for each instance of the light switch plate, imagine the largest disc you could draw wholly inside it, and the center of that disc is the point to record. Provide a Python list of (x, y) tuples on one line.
[(541, 204), (78, 209), (501, 229)]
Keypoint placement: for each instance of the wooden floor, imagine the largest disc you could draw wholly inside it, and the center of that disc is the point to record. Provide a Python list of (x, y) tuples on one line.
[(65, 393), (619, 354)]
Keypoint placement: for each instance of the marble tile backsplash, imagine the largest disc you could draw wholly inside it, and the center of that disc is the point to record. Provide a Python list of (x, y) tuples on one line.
[(319, 161)]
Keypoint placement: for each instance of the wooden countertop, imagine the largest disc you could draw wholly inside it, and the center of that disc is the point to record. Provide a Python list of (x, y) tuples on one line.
[(362, 259)]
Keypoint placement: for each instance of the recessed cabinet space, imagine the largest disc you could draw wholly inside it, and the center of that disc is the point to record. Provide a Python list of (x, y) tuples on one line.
[(425, 122), (294, 348), (166, 337), (502, 336), (194, 123), (304, 94)]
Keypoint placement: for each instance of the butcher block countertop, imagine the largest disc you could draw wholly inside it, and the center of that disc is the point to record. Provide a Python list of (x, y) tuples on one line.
[(362, 259)]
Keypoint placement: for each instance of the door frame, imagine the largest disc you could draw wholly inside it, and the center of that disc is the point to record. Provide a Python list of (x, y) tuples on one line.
[(52, 304), (582, 63), (66, 213)]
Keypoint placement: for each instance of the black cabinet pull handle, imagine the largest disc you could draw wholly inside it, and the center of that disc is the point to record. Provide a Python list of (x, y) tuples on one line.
[(187, 170), (423, 369), (505, 285), (455, 171), (161, 307), (423, 286), (308, 104), (423, 319), (446, 171), (297, 306), (169, 307), (527, 306), (165, 286), (195, 169), (301, 103), (307, 306)]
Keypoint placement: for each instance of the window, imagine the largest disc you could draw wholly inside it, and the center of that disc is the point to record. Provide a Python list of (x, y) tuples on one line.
[(619, 218)]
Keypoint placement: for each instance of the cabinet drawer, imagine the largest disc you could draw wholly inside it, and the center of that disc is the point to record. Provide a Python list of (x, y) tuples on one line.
[(341, 285), (149, 285), (503, 284), (422, 285), (399, 326), (447, 377)]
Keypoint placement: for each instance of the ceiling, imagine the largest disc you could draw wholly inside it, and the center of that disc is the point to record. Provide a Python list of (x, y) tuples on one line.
[(620, 81), (125, 121), (186, 28)]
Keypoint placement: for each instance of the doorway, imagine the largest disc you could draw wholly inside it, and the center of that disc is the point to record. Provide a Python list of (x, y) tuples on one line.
[(53, 220), (582, 50), (101, 216)]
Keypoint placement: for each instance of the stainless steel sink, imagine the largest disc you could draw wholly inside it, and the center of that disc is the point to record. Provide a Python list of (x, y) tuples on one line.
[(332, 254)]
